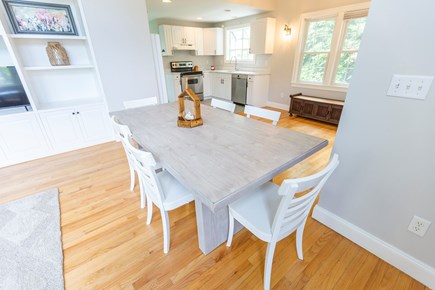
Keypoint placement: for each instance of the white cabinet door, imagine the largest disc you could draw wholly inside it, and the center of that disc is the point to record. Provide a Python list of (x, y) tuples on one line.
[(199, 41), (221, 85), (226, 87), (213, 41), (165, 32), (216, 84), (189, 35), (63, 129), (208, 83), (262, 36), (177, 85), (70, 129), (183, 37), (95, 124), (177, 35), (22, 138), (258, 90)]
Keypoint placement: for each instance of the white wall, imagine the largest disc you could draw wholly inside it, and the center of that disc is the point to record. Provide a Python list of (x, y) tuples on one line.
[(121, 41), (386, 144)]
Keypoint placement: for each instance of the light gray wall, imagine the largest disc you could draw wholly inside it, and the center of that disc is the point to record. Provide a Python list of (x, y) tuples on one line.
[(121, 41), (386, 144)]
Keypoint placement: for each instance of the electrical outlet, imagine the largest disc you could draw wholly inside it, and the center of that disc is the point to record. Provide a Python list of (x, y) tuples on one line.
[(419, 226)]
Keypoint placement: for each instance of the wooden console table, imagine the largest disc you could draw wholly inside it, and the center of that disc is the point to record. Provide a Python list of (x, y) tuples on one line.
[(320, 109)]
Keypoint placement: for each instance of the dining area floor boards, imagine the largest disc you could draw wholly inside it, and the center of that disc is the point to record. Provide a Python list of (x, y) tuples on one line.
[(107, 244)]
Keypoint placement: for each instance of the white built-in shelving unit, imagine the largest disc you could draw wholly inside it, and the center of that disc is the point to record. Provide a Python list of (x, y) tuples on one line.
[(65, 101)]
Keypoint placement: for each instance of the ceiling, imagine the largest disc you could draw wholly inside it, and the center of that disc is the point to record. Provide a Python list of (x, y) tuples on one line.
[(211, 11)]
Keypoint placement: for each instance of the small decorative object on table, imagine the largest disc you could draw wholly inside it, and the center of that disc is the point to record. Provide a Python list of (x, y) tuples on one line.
[(57, 54), (189, 119)]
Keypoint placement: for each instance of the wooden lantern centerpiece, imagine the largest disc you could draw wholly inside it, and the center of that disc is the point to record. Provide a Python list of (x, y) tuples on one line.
[(187, 119)]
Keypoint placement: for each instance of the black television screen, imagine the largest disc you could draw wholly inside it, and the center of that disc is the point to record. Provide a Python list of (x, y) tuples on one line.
[(12, 93)]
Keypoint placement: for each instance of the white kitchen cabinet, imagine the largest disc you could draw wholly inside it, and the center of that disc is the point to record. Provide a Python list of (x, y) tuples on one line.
[(173, 86), (77, 127), (21, 138), (165, 32), (262, 36), (183, 37), (177, 85), (221, 85), (213, 41), (199, 41), (258, 90), (208, 81)]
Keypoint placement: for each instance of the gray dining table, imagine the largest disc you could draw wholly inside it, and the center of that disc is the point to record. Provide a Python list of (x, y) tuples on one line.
[(220, 161)]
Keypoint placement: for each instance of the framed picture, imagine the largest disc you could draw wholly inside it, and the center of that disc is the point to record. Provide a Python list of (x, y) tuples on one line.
[(40, 18)]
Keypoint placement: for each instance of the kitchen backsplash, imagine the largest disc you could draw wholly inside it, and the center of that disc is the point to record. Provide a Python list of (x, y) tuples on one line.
[(262, 62), (204, 62)]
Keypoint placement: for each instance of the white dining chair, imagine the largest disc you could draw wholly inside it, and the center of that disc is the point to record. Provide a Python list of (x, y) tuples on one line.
[(122, 133), (263, 113), (140, 103), (161, 188), (272, 213), (227, 106)]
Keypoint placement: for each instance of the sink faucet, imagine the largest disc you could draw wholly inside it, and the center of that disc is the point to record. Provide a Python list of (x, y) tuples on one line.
[(235, 62)]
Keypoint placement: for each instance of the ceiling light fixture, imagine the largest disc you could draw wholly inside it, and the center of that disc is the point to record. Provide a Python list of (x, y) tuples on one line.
[(198, 18), (167, 1)]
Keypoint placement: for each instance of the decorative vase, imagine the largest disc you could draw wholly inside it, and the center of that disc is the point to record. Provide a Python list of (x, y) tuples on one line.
[(57, 54)]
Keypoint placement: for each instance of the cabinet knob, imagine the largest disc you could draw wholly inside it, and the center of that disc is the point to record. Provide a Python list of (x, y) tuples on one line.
[(78, 113), (73, 113)]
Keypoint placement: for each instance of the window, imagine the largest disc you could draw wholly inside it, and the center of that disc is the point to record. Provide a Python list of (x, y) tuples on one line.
[(328, 47), (238, 44)]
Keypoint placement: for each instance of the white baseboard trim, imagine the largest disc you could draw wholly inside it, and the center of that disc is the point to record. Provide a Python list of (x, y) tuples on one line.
[(277, 105), (392, 255)]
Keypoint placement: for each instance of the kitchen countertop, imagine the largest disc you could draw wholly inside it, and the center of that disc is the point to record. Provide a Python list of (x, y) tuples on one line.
[(240, 72)]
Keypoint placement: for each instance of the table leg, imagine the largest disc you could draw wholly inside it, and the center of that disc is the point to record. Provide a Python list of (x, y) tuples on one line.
[(212, 226)]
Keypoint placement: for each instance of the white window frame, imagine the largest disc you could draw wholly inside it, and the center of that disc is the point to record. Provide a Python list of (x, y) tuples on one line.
[(226, 59), (335, 51)]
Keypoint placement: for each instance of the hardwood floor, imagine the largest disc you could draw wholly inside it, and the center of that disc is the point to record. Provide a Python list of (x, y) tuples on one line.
[(107, 243)]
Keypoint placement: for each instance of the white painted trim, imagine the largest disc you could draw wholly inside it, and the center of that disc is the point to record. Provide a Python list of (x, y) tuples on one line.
[(387, 252), (322, 87), (277, 105), (336, 13)]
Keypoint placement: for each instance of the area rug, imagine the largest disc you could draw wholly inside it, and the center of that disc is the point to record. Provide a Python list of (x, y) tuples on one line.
[(30, 243)]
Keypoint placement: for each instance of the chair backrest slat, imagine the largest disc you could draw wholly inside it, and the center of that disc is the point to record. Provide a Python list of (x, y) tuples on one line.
[(293, 212), (145, 166), (227, 106), (262, 113), (122, 133), (140, 103)]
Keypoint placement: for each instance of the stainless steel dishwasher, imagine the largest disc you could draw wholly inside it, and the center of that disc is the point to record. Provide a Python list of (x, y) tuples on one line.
[(239, 88)]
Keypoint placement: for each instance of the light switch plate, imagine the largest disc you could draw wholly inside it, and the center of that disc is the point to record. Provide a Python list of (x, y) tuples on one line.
[(407, 86)]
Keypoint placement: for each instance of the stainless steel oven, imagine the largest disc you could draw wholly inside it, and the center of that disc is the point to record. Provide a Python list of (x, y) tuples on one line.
[(189, 78), (193, 81)]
